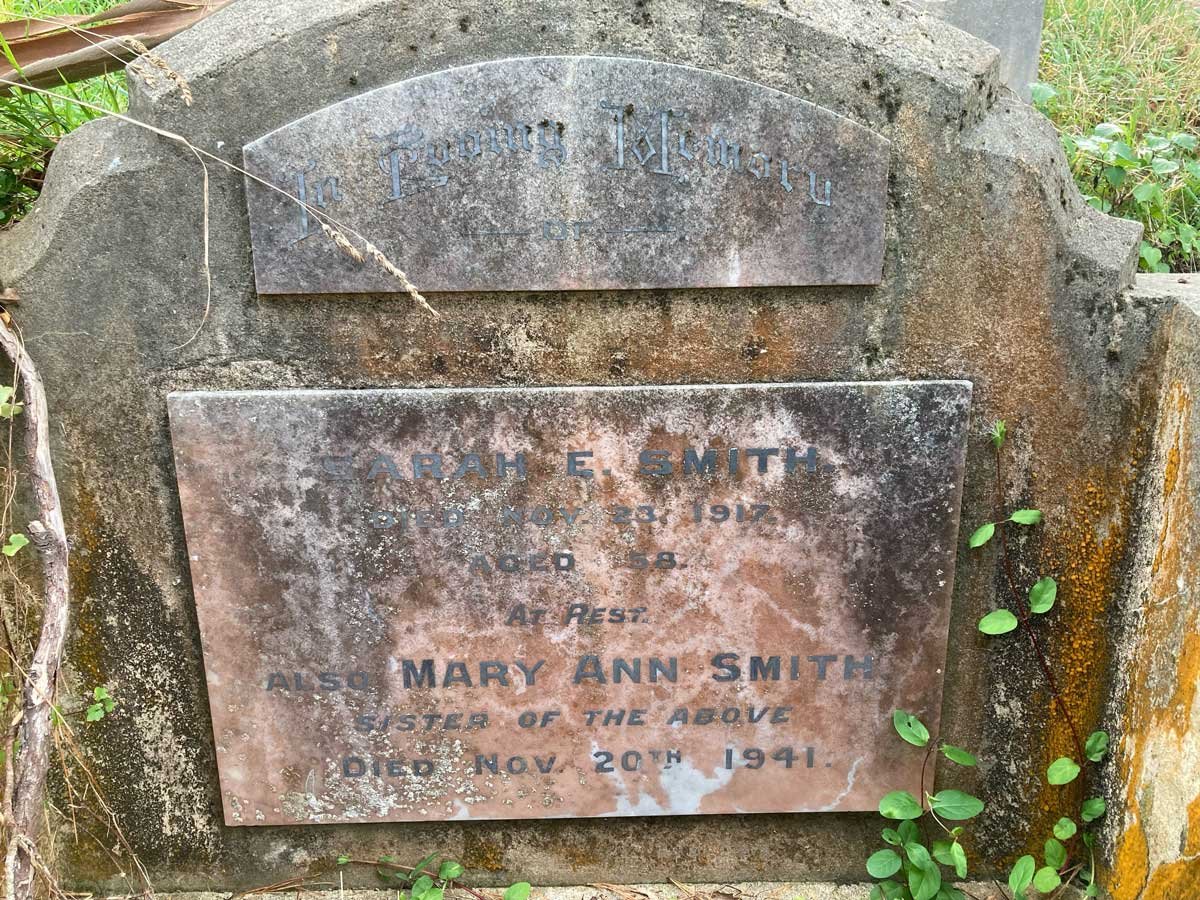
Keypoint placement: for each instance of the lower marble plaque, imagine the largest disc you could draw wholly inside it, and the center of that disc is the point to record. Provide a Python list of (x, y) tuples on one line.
[(421, 605)]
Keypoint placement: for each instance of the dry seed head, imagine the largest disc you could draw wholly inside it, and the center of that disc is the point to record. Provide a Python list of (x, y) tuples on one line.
[(388, 266), (342, 243), (185, 90)]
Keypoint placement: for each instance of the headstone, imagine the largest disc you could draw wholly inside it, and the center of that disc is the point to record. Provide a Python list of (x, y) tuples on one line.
[(532, 603), (954, 250), (569, 172)]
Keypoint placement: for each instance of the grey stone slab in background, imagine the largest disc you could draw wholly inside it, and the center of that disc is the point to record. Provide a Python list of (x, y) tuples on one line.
[(419, 605), (571, 173), (1014, 27)]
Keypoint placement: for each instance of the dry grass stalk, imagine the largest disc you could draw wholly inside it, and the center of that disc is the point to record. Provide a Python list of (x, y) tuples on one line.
[(316, 214)]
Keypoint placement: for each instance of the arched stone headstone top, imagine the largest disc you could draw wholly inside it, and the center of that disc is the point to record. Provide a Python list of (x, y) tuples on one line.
[(567, 173)]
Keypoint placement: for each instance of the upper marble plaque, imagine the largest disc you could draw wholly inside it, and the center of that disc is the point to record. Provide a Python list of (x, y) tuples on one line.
[(570, 173), (420, 605)]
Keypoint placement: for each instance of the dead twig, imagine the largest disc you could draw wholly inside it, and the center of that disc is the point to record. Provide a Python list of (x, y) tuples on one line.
[(49, 536)]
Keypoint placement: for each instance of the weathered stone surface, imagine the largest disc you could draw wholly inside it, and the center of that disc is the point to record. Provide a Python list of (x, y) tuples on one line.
[(536, 603), (995, 271), (570, 172), (1153, 791)]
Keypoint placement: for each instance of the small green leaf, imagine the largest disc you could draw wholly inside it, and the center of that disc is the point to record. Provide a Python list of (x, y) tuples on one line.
[(1064, 829), (95, 712), (883, 864), (343, 859), (908, 832), (15, 542), (982, 535), (434, 893), (1026, 517), (1096, 746), (955, 805), (1115, 175), (924, 877), (421, 885), (941, 852), (422, 866), (1092, 809), (892, 837), (958, 755), (518, 891), (1107, 130), (1092, 890), (1089, 839), (910, 728), (900, 805), (1056, 854), (1046, 879), (1042, 595), (1021, 876), (1186, 141), (998, 433), (1041, 93), (1146, 192), (1062, 771), (890, 890), (999, 621), (959, 857), (449, 870), (1164, 166)]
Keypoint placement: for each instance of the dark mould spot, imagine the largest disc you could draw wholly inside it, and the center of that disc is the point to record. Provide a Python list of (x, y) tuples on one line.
[(354, 79), (412, 47), (619, 363), (754, 348), (439, 364), (464, 24)]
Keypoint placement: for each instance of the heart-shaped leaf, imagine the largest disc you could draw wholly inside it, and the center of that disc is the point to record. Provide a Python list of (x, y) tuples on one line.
[(1064, 829), (1042, 595), (1062, 771), (1096, 746), (1092, 809), (883, 864)]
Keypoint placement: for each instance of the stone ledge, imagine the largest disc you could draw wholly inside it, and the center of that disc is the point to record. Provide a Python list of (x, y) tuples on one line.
[(748, 890)]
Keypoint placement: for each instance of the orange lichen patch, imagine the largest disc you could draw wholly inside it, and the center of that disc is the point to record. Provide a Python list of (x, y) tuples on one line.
[(1157, 856), (1086, 553)]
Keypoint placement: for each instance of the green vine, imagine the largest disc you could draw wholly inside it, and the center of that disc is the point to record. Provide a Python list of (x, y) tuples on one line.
[(910, 867)]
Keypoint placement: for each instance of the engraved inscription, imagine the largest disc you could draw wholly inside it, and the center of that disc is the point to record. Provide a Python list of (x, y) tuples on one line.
[(614, 173), (493, 603)]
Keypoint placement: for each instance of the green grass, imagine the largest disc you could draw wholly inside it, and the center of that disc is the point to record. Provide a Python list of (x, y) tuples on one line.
[(1121, 79), (31, 125)]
